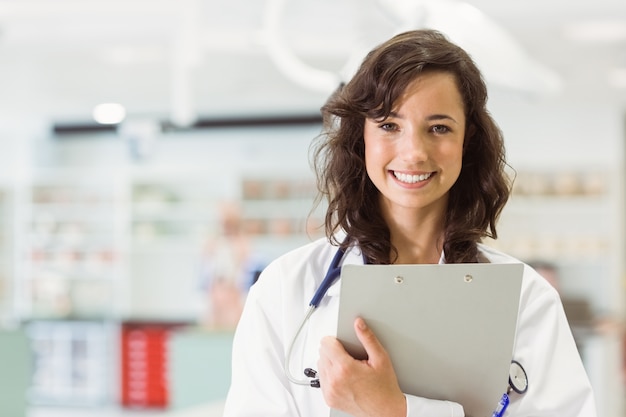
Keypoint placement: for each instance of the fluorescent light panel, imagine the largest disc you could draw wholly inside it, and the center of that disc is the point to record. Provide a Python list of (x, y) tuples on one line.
[(109, 113)]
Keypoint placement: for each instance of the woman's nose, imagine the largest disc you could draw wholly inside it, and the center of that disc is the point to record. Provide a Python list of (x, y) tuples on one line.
[(414, 146)]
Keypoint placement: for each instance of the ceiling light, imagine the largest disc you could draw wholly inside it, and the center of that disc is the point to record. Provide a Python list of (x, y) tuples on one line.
[(109, 113)]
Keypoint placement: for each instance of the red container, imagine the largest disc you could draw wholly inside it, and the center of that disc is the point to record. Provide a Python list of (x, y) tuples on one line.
[(144, 364)]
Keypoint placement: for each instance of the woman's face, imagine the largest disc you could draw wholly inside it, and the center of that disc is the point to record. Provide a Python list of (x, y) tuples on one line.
[(414, 156)]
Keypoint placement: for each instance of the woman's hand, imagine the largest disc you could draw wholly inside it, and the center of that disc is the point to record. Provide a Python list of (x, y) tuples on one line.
[(363, 388)]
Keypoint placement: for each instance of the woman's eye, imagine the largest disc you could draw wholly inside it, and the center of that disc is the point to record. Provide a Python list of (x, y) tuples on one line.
[(440, 129), (388, 127)]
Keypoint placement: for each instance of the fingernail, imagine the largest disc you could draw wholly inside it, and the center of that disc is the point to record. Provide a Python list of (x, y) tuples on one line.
[(361, 324)]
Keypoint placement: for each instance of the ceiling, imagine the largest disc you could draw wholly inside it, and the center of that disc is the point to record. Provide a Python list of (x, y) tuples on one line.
[(187, 59)]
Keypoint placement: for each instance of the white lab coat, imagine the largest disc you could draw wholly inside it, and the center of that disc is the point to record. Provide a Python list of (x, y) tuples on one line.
[(276, 304)]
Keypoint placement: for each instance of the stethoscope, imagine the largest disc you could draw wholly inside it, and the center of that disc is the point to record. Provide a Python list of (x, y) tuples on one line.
[(333, 272), (518, 380)]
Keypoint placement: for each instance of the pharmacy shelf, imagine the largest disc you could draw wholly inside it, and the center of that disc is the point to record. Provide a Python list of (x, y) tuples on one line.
[(571, 219), (6, 253), (72, 362), (71, 245)]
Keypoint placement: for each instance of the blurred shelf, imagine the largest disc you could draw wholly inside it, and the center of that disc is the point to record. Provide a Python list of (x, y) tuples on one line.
[(72, 360), (7, 247), (72, 244), (562, 216)]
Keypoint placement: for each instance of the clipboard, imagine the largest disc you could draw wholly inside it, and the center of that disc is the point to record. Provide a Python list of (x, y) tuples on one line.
[(449, 328)]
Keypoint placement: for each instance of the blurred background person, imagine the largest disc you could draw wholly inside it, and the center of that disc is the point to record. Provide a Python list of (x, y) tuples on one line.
[(227, 270)]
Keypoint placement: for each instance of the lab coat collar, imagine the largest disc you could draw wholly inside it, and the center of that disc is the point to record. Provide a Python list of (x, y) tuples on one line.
[(354, 256)]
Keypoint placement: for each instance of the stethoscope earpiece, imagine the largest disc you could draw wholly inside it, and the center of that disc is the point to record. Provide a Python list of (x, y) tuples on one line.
[(312, 373)]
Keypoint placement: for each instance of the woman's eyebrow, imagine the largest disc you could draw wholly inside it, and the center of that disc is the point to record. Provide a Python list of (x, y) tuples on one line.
[(429, 118), (441, 117)]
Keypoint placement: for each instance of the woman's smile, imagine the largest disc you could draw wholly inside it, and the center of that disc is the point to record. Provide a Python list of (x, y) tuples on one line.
[(411, 179)]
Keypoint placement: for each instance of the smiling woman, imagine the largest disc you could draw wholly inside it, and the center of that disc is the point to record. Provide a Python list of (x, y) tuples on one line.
[(420, 95), (415, 155), (413, 169)]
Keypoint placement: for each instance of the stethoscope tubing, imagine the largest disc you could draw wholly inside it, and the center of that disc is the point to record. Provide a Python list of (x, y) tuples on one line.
[(287, 363), (331, 276), (333, 272)]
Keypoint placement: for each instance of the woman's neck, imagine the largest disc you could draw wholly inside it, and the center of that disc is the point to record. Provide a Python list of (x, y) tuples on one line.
[(418, 239), (417, 251)]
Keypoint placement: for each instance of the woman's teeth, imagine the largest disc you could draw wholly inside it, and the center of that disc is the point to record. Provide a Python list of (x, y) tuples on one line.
[(411, 179)]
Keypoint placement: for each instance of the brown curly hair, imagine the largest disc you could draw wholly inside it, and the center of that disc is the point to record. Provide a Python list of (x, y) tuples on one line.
[(338, 154)]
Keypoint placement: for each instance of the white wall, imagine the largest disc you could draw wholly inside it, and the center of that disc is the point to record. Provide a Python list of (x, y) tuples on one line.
[(547, 133)]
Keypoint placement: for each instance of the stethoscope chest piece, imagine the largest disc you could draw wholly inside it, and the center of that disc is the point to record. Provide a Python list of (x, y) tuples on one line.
[(518, 380)]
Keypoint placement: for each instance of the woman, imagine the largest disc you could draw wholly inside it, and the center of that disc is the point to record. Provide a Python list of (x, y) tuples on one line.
[(412, 166)]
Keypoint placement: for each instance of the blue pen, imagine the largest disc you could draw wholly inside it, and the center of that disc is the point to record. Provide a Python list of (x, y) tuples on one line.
[(502, 405)]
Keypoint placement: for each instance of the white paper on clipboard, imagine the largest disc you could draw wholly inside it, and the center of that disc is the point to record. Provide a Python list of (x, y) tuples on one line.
[(449, 328)]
